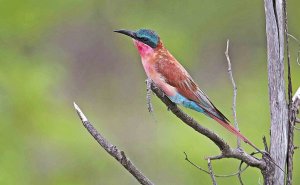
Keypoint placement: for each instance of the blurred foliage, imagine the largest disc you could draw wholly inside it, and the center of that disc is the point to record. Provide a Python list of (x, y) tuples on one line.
[(56, 52)]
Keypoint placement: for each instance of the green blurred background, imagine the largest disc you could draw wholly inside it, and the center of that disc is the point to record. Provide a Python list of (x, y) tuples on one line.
[(55, 52)]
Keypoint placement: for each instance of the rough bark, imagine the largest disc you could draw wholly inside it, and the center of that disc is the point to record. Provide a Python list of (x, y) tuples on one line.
[(278, 104)]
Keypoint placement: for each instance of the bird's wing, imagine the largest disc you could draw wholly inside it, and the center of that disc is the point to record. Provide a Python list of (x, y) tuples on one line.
[(175, 75)]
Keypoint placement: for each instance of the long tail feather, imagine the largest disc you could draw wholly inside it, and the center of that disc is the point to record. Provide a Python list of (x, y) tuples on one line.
[(233, 130)]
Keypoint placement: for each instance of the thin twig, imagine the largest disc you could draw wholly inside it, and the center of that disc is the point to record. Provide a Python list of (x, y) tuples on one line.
[(265, 144), (234, 92), (198, 167), (216, 175), (211, 172), (112, 150), (240, 166), (298, 42), (296, 100), (240, 173), (296, 128)]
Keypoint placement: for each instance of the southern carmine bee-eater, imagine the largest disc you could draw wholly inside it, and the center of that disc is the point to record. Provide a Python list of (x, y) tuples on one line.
[(171, 77)]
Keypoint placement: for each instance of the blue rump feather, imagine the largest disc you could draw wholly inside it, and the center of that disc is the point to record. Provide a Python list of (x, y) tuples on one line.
[(179, 99)]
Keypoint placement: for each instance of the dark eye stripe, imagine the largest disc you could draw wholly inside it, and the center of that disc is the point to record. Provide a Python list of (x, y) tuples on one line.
[(144, 39)]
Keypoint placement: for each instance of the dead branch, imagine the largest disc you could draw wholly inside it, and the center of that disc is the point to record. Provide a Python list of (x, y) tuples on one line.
[(113, 150), (226, 151), (234, 92)]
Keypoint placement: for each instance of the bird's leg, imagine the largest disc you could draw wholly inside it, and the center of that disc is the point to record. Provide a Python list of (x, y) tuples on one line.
[(149, 83), (148, 94)]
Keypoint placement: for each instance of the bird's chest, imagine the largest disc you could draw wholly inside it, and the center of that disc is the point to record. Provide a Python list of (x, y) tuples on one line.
[(157, 78), (149, 67), (151, 71)]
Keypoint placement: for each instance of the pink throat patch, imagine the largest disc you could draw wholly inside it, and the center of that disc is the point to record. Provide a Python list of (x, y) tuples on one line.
[(143, 49)]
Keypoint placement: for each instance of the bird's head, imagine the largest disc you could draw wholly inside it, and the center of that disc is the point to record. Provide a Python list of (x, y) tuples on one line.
[(145, 40), (145, 36)]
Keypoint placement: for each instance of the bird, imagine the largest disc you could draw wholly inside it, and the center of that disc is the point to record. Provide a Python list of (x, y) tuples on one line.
[(173, 79)]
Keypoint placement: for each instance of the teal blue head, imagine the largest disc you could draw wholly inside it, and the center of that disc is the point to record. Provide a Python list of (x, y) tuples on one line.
[(146, 36)]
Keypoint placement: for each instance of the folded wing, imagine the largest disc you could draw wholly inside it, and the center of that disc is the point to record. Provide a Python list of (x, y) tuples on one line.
[(175, 75)]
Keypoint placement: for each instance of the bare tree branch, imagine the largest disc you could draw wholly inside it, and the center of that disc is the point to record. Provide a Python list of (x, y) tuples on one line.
[(113, 150), (211, 172), (234, 92), (226, 151)]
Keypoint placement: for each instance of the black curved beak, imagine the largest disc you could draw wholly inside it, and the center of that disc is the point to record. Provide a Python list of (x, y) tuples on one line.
[(131, 34)]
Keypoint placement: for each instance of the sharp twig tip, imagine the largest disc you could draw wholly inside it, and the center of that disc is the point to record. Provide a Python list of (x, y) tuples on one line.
[(80, 113), (75, 105)]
